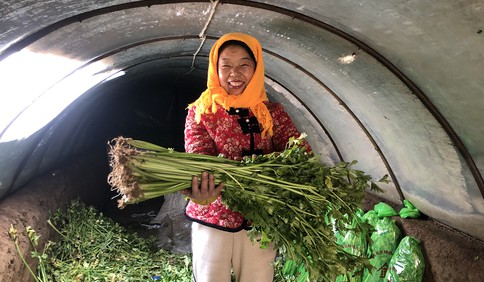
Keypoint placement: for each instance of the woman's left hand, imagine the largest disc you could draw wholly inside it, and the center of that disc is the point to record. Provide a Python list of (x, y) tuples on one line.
[(204, 191)]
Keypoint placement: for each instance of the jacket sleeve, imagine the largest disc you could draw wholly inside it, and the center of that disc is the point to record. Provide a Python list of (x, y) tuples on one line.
[(284, 128), (197, 138)]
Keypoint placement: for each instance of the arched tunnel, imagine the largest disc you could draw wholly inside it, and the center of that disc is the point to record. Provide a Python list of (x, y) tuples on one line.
[(395, 85)]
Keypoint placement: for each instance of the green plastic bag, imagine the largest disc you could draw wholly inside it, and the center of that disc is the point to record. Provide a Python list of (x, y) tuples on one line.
[(409, 210), (294, 271), (371, 217), (354, 243), (407, 263), (384, 210), (386, 238)]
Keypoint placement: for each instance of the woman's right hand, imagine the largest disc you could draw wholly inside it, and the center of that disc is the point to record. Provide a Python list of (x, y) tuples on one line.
[(203, 191)]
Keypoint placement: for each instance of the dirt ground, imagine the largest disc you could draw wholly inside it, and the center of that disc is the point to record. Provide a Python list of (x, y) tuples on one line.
[(449, 255)]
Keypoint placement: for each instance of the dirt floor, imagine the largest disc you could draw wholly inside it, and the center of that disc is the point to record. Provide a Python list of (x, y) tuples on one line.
[(449, 255)]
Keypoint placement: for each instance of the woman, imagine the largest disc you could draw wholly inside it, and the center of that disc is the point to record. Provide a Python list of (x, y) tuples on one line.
[(234, 118)]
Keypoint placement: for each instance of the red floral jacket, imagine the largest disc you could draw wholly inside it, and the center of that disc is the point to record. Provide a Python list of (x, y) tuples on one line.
[(234, 134)]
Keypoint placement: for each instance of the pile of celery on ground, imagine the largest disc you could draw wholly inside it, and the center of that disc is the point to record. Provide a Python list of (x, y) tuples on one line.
[(93, 247), (289, 196)]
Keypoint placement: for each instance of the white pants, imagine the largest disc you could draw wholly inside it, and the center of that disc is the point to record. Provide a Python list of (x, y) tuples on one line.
[(216, 253)]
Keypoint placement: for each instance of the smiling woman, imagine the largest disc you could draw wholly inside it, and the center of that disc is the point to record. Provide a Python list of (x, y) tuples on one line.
[(233, 118), (350, 75)]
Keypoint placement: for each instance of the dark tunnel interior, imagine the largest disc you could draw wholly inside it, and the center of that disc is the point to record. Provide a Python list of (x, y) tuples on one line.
[(149, 105), (145, 103)]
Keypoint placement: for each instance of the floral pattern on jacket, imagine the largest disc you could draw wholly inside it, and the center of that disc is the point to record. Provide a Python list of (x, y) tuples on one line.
[(221, 133)]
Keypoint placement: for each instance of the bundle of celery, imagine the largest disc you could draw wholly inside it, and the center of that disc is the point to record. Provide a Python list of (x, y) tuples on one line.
[(287, 196)]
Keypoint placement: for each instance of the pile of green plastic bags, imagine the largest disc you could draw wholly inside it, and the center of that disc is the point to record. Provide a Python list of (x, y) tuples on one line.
[(393, 258)]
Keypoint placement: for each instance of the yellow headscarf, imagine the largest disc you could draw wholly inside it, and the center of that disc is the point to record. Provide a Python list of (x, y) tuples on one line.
[(254, 94)]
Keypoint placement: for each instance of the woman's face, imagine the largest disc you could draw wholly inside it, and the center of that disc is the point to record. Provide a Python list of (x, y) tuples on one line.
[(235, 69)]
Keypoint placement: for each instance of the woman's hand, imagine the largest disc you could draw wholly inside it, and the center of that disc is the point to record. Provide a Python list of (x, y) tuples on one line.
[(205, 191)]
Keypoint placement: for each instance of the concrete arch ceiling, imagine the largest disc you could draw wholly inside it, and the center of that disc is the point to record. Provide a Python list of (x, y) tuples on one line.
[(395, 85)]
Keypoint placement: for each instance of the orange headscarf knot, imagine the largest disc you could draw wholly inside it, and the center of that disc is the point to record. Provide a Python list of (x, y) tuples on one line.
[(254, 94)]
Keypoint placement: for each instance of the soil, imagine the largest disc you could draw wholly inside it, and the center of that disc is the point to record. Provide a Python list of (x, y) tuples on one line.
[(449, 254)]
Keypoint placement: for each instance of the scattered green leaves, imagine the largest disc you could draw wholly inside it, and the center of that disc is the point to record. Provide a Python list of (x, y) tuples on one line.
[(93, 247), (43, 265)]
